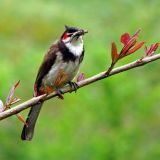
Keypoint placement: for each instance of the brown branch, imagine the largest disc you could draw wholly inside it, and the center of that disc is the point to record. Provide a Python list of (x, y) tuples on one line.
[(82, 83)]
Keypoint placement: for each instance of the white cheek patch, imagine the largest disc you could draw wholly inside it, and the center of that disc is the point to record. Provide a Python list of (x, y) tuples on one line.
[(66, 40), (75, 46), (76, 50)]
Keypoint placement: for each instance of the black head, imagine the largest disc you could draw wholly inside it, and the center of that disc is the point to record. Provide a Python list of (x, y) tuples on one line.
[(71, 32), (71, 29)]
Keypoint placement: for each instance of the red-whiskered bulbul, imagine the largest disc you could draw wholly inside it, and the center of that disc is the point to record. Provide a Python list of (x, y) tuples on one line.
[(59, 67)]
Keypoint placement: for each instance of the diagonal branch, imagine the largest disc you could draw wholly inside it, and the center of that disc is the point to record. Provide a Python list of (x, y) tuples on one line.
[(82, 83)]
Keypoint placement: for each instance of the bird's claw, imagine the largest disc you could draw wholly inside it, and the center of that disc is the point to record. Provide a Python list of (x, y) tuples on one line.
[(73, 86), (59, 93)]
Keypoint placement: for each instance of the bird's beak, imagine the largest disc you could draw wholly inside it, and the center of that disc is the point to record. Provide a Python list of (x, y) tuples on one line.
[(85, 31), (80, 32), (77, 34)]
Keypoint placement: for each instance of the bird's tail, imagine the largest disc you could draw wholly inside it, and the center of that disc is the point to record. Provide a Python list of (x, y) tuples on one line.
[(28, 130)]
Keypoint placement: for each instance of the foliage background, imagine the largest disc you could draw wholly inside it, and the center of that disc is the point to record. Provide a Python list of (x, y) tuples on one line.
[(115, 119)]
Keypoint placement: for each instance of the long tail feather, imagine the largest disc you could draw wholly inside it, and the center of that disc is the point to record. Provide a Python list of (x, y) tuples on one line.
[(28, 130)]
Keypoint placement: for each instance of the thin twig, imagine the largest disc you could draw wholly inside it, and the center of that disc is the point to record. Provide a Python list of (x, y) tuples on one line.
[(16, 101), (81, 84)]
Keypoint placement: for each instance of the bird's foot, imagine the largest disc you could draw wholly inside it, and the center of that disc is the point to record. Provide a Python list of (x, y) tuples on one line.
[(59, 93), (73, 86)]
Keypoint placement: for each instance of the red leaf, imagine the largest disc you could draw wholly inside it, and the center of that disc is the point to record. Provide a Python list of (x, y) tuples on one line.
[(126, 48), (155, 46), (80, 77), (115, 55), (137, 33), (11, 92), (150, 51), (134, 49), (125, 38)]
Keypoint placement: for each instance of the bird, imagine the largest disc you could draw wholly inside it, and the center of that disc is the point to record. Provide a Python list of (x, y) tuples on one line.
[(59, 67)]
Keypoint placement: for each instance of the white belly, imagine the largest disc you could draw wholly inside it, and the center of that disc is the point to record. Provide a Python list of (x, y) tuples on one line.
[(70, 69)]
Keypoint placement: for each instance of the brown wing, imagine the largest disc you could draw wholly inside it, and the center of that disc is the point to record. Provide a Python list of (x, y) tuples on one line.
[(48, 61)]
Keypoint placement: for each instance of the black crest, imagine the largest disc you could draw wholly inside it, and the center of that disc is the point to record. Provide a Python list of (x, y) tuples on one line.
[(71, 29)]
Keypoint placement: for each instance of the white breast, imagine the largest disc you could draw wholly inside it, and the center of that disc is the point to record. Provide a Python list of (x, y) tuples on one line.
[(75, 49), (75, 46), (70, 68)]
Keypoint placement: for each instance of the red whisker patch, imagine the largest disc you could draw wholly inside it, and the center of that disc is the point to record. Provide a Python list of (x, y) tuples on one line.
[(65, 35)]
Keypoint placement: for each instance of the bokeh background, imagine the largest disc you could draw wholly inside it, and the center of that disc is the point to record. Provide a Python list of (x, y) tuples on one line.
[(113, 119)]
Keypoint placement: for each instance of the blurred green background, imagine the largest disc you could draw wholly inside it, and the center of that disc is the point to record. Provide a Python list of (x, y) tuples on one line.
[(113, 119)]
